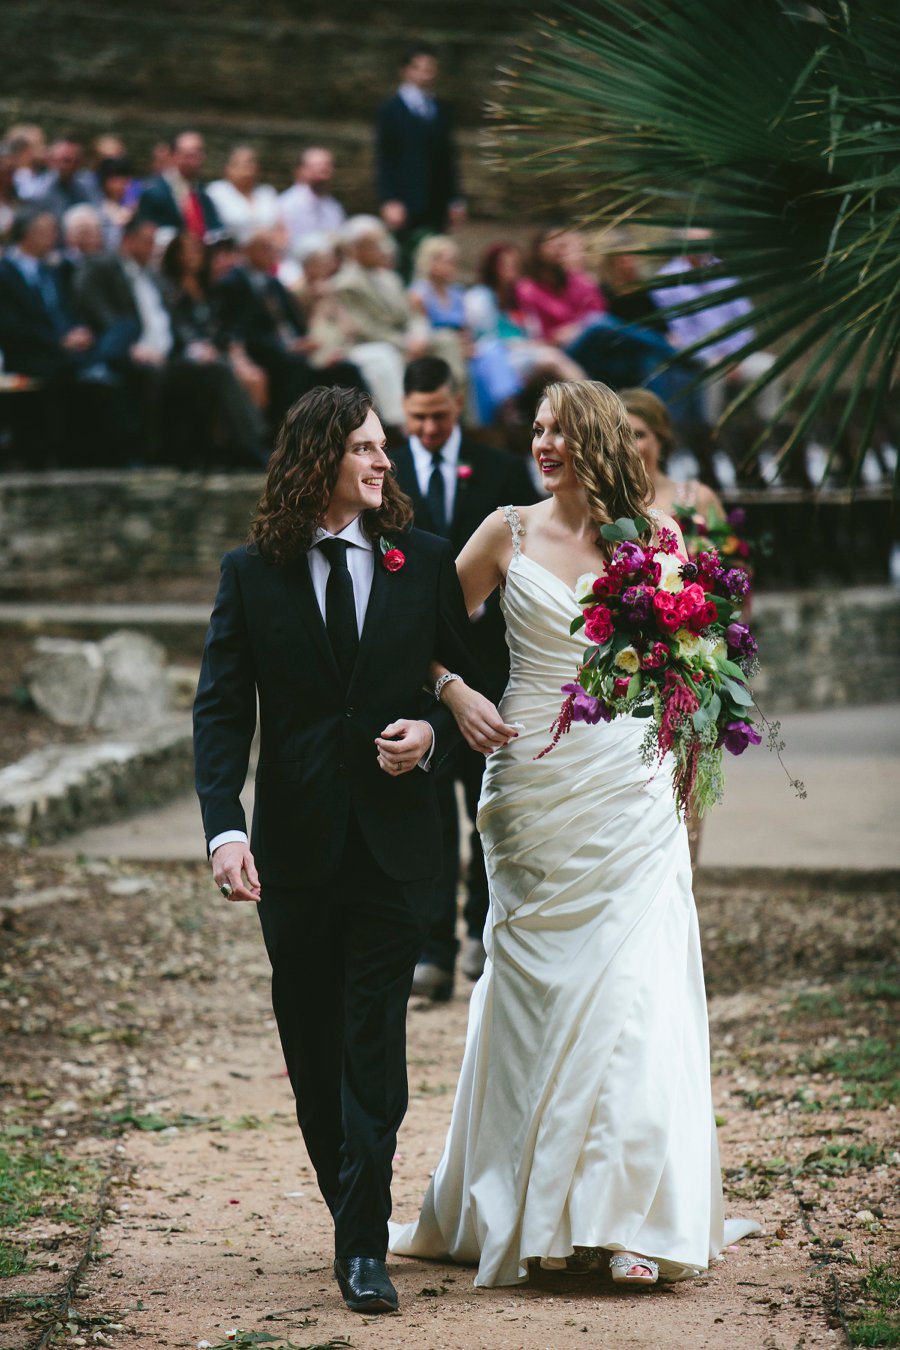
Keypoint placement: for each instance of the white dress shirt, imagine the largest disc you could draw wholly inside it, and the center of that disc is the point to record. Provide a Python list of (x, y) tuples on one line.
[(418, 102), (423, 461), (306, 212), (242, 215), (361, 566), (156, 326)]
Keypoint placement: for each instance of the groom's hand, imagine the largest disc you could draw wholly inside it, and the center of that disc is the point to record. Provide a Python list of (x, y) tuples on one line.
[(232, 863), (402, 744)]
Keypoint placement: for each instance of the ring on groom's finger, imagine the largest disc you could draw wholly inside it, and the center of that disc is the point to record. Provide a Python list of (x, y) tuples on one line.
[(226, 890)]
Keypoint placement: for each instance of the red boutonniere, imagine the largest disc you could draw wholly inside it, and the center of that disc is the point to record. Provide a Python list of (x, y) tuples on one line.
[(463, 472), (392, 558)]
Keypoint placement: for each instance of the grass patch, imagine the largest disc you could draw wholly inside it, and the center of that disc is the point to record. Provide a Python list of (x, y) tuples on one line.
[(37, 1182), (13, 1260), (869, 1068), (879, 1325)]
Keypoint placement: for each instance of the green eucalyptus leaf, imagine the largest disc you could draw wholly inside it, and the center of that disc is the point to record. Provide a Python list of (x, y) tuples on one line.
[(576, 624)]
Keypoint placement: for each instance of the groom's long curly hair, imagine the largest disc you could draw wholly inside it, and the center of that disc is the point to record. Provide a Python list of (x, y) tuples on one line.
[(303, 472), (594, 423)]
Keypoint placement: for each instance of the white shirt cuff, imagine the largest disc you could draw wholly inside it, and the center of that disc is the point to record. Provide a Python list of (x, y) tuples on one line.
[(425, 762), (229, 837)]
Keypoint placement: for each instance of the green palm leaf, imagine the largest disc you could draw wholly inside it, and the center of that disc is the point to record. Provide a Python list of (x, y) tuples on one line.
[(775, 125)]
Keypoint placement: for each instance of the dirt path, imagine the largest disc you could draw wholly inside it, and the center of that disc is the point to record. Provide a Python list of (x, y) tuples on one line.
[(140, 1048)]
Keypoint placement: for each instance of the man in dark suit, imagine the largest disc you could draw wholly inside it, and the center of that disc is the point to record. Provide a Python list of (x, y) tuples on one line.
[(417, 180), (260, 313), (176, 199), (331, 617), (182, 408), (454, 484), (39, 337)]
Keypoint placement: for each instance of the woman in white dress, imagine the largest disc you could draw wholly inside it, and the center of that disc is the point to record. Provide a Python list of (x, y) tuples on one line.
[(583, 1121)]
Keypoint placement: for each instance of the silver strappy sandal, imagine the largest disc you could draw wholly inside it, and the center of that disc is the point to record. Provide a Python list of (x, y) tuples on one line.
[(621, 1265)]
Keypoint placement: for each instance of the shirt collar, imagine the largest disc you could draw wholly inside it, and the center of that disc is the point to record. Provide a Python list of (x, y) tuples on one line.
[(449, 450), (352, 534)]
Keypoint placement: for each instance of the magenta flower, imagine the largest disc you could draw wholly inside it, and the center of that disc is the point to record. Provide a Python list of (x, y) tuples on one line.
[(585, 707), (738, 735)]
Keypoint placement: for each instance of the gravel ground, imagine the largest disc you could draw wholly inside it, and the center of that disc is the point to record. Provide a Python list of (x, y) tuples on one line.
[(156, 1192)]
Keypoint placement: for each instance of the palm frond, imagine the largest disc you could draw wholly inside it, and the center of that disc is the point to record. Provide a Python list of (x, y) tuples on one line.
[(775, 125)]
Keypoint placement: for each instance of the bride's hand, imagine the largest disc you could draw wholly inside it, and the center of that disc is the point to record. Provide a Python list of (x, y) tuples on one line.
[(477, 718)]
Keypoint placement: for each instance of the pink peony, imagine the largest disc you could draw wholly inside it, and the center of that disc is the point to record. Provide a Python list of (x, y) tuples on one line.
[(655, 657), (606, 585), (598, 625), (620, 688)]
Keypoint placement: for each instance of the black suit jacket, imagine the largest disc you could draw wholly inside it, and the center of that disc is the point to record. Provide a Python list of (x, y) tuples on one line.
[(105, 301), (255, 317), (496, 479), (415, 162), (30, 335), (157, 203), (317, 754)]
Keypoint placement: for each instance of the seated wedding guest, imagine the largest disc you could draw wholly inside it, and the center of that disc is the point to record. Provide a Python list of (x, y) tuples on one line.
[(308, 207), (28, 146), (186, 272), (82, 237), (333, 330), (10, 202), (39, 336), (560, 302), (259, 312), (621, 275), (244, 203), (654, 437), (494, 315), (115, 177), (177, 199), (69, 183), (375, 298), (107, 146), (437, 293), (701, 326), (183, 409)]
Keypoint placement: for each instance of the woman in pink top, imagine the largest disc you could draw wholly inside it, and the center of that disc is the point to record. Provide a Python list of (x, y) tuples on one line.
[(559, 299)]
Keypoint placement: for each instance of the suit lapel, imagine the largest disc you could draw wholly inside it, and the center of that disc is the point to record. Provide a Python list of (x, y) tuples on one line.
[(408, 482), (298, 580)]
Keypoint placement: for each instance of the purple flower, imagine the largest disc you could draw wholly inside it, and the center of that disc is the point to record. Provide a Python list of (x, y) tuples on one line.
[(708, 566), (690, 571), (638, 601), (628, 559), (737, 518), (738, 735), (741, 641), (736, 583), (586, 708)]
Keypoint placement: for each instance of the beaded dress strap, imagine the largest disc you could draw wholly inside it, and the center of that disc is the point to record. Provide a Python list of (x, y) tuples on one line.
[(516, 528)]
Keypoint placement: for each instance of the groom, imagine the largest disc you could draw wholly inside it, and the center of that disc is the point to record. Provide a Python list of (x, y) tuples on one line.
[(330, 617)]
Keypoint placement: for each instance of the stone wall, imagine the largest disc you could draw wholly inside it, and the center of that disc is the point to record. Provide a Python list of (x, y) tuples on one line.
[(60, 531), (280, 75)]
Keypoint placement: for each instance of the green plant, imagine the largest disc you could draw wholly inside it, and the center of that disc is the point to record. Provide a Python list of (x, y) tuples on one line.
[(774, 125)]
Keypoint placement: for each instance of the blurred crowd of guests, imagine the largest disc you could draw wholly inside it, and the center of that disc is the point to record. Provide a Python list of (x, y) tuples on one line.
[(158, 314)]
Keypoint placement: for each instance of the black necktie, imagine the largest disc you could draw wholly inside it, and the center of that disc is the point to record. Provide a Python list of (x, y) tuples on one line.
[(340, 607), (437, 496)]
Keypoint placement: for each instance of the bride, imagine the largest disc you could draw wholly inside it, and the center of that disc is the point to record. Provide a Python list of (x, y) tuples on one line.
[(583, 1121)]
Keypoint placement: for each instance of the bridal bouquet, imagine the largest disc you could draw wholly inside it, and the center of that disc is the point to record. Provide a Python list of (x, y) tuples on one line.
[(666, 643)]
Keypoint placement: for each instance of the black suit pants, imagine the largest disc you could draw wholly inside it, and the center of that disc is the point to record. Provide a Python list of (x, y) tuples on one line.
[(342, 959), (467, 767)]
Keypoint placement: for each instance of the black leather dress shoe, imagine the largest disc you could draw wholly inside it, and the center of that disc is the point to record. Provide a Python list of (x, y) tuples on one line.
[(365, 1285)]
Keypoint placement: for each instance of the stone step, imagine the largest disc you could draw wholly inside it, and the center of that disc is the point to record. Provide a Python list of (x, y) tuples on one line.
[(62, 788)]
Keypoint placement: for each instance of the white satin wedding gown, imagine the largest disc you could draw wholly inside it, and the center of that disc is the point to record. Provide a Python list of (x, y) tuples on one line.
[(583, 1115)]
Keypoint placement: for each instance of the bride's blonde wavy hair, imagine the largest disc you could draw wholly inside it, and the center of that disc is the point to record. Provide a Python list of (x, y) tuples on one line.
[(607, 464)]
